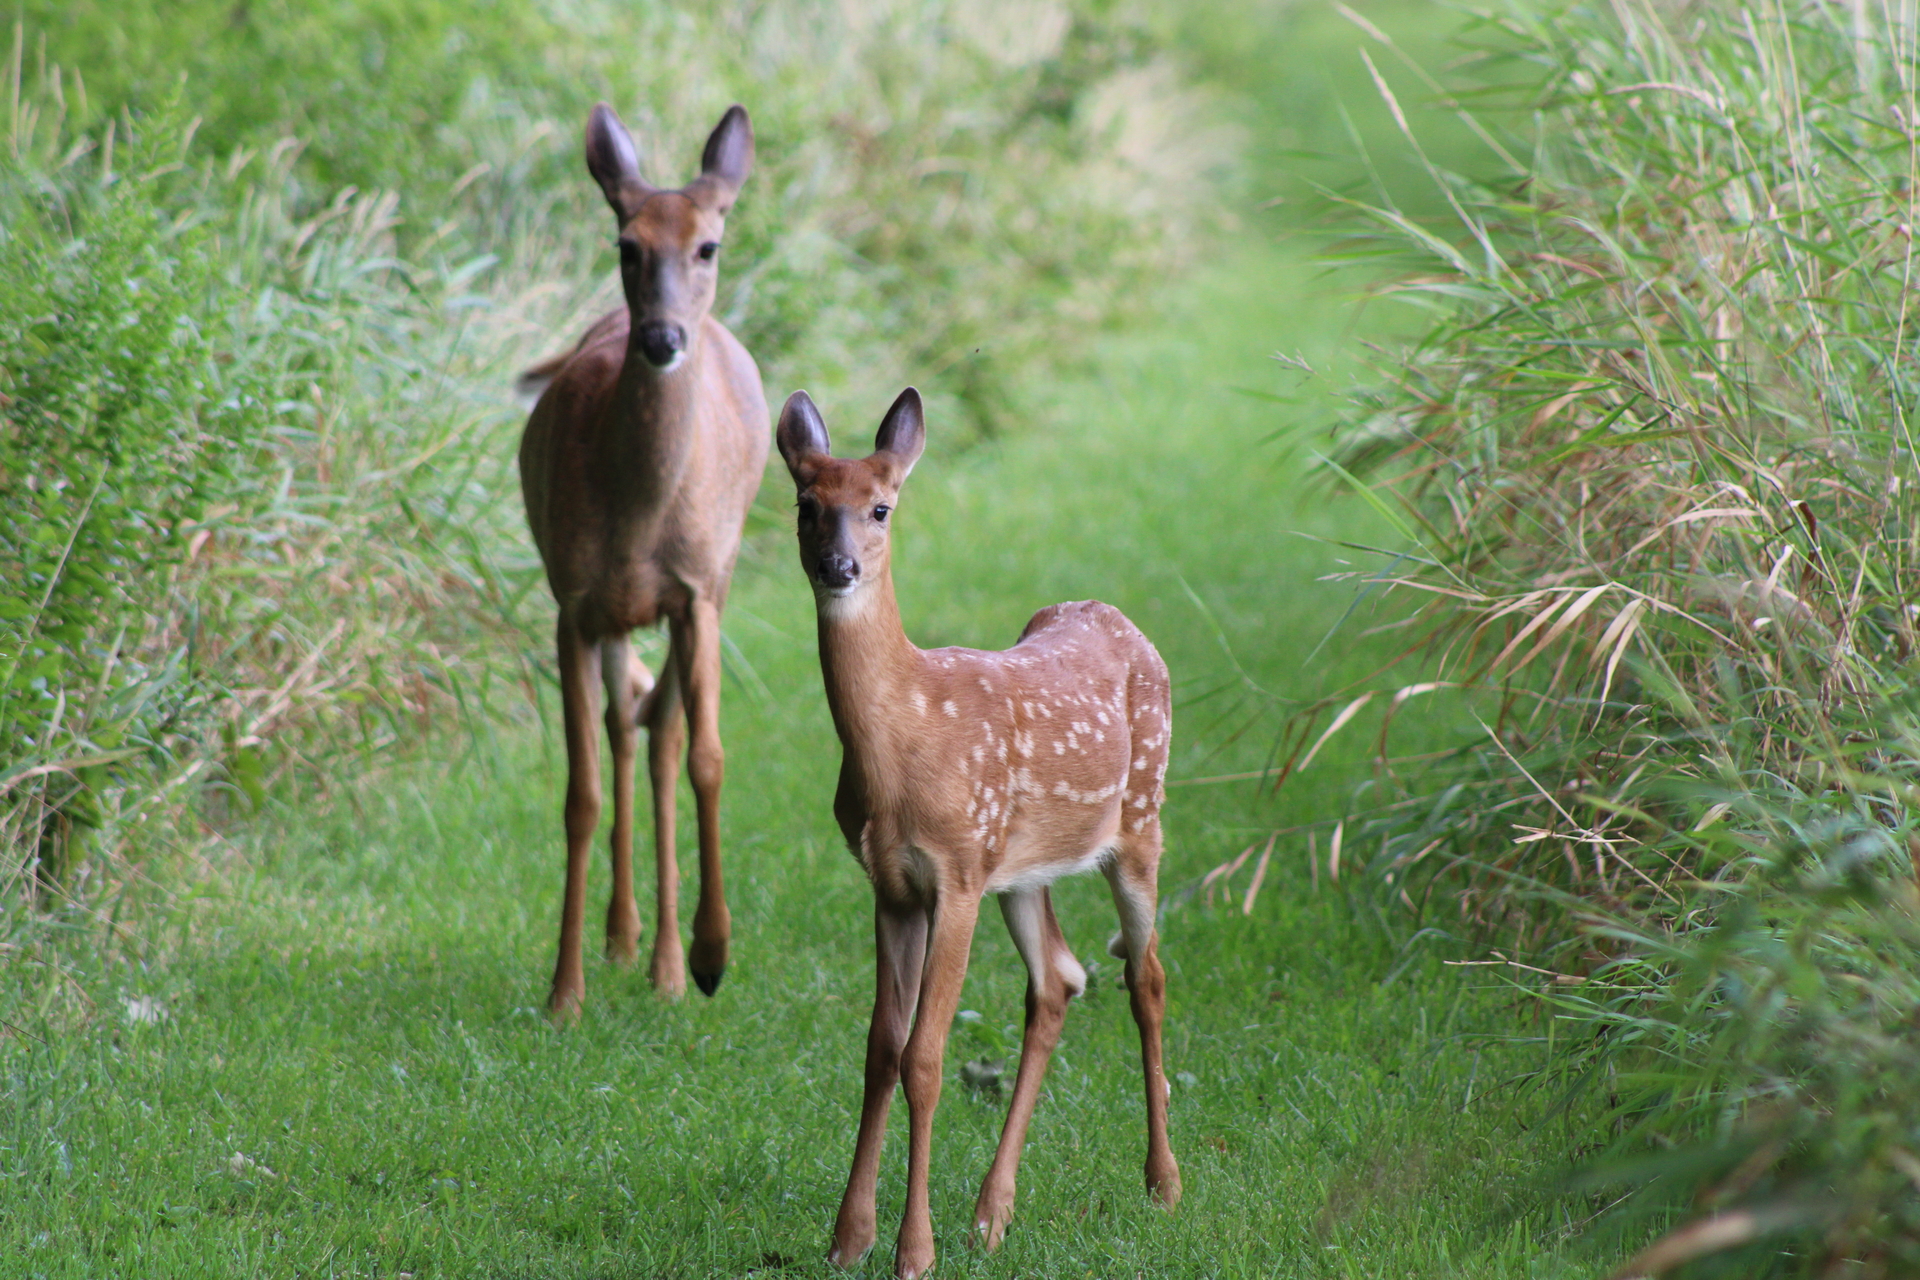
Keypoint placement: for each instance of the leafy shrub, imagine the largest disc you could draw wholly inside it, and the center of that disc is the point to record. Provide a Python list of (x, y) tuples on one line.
[(218, 578), (119, 420)]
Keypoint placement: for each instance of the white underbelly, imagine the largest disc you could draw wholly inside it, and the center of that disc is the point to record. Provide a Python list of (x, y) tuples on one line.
[(1040, 867)]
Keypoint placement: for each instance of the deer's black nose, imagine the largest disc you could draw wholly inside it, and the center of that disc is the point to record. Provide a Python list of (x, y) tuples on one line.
[(662, 343), (837, 570)]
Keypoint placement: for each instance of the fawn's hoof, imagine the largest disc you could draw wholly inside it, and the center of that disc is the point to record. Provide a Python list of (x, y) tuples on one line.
[(989, 1232), (848, 1256), (909, 1263), (991, 1214), (707, 982)]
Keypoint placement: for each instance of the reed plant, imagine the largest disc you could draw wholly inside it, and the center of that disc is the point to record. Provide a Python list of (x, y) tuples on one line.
[(1654, 467)]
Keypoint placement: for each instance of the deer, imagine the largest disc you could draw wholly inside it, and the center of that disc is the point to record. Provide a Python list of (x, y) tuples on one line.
[(638, 464), (966, 773)]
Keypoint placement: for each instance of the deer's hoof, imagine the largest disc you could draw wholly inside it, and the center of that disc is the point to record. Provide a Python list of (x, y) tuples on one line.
[(623, 933), (668, 975), (563, 1006), (707, 961), (1165, 1187)]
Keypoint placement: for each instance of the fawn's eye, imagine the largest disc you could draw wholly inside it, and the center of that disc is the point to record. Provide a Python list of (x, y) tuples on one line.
[(809, 510), (880, 512), (629, 252), (708, 250)]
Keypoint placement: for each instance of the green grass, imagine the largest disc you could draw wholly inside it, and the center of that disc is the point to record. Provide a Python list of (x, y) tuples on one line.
[(351, 991)]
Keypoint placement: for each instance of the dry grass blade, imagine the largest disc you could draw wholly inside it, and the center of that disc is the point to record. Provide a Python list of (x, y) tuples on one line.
[(1259, 875), (1347, 713)]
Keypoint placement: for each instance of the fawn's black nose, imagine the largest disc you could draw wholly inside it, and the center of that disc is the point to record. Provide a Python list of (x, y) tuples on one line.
[(662, 344), (837, 570)]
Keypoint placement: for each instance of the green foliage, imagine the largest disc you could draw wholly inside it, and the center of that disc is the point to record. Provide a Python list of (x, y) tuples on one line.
[(268, 272), (193, 575), (119, 425), (1655, 465), (366, 85), (947, 193), (1756, 1034)]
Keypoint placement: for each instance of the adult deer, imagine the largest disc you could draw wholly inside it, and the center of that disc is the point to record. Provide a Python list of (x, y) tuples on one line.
[(966, 773), (638, 465)]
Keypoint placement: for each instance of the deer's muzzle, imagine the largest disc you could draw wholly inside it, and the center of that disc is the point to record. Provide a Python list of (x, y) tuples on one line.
[(662, 344)]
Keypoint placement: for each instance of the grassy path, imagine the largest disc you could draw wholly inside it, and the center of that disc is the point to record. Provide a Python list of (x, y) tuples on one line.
[(355, 1010)]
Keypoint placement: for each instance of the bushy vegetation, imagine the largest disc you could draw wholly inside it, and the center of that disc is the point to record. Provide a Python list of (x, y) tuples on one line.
[(260, 321), (226, 560), (955, 190), (1654, 466)]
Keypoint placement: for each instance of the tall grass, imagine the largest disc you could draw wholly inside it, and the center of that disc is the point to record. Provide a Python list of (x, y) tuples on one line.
[(227, 563), (260, 321), (1655, 470)]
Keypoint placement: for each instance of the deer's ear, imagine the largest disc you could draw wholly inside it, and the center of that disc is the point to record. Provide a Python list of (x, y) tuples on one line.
[(613, 162), (728, 159), (903, 434), (802, 438)]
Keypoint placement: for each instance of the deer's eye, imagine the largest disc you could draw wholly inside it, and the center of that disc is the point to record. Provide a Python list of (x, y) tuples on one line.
[(880, 512), (709, 250), (629, 252), (809, 511)]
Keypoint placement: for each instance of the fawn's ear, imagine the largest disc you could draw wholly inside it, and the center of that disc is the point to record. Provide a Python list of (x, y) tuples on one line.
[(903, 434), (613, 162), (802, 438), (728, 159)]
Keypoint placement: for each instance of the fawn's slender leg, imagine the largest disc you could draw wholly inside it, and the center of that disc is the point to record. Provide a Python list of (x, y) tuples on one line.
[(666, 735), (1029, 916), (1064, 961), (954, 915), (1132, 877), (706, 765), (577, 661), (900, 950), (621, 673)]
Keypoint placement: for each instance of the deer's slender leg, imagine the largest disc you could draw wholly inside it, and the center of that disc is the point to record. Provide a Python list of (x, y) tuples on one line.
[(577, 660), (706, 765), (1132, 877), (953, 919), (1029, 916), (622, 675), (666, 735), (900, 949)]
